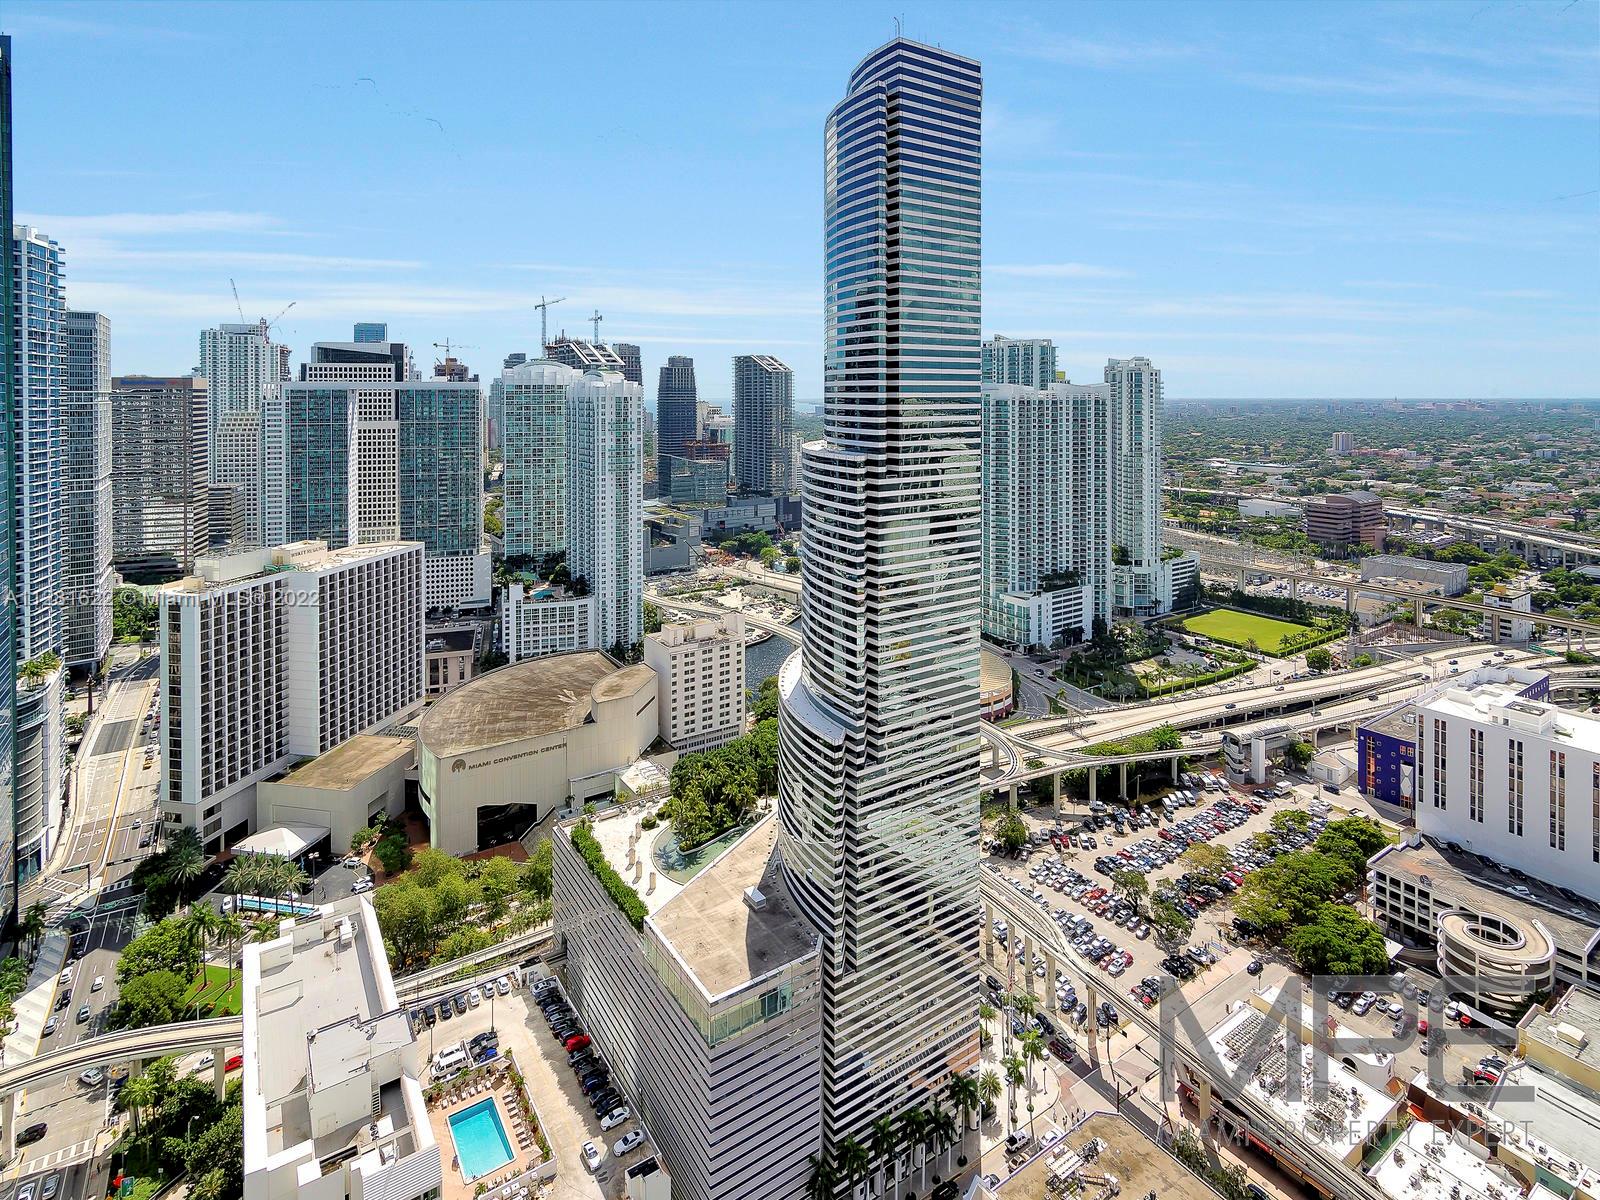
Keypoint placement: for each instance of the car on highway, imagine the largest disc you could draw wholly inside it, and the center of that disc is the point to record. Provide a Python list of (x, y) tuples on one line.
[(83, 1013), (235, 1061), (50, 1027), (52, 1185), (93, 1077), (99, 983)]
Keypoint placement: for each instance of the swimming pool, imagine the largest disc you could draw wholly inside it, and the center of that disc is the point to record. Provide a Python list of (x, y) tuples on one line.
[(481, 1142)]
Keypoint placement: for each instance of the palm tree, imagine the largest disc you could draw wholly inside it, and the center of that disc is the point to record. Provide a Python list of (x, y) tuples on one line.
[(885, 1141), (913, 1130), (990, 1087), (823, 1177), (963, 1093), (138, 1094), (33, 926), (243, 877), (853, 1160), (1031, 1049), (199, 928), (263, 929), (1025, 1005), (186, 860), (1012, 1065), (230, 932)]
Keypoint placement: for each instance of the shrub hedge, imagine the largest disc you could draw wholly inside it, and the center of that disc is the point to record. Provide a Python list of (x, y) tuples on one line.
[(616, 887)]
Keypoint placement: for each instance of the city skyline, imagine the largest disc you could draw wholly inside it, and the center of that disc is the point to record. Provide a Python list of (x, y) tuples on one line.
[(1392, 203)]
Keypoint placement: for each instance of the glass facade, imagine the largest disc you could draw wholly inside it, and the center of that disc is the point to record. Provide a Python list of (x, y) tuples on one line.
[(8, 591), (441, 467), (879, 728), (317, 454)]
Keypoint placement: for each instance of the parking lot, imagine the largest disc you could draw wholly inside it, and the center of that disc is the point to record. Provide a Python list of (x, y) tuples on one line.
[(1068, 871), (568, 1087)]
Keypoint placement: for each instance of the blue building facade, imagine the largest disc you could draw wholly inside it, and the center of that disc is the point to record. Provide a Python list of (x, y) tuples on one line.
[(316, 490), (8, 590)]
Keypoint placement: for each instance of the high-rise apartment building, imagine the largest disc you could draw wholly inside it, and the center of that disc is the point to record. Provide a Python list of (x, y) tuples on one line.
[(632, 364), (763, 415), (1133, 472), (1026, 362), (8, 524), (605, 501), (879, 719), (159, 473), (86, 489), (1342, 443), (39, 373), (1046, 512), (677, 417), (355, 451), (371, 331), (532, 399), (273, 654), (242, 369), (699, 668)]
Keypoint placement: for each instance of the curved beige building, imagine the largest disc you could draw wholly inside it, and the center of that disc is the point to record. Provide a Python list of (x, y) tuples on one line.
[(994, 686), (504, 751), (1497, 946)]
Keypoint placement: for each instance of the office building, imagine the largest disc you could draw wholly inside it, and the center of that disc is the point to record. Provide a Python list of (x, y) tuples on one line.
[(274, 654), (1139, 584), (1350, 519), (225, 516), (453, 369), (510, 749), (371, 331), (160, 453), (1343, 443), (537, 619), (242, 369), (1514, 778), (582, 355), (696, 476), (8, 525), (879, 727), (605, 501), (707, 1008), (451, 656), (1025, 362), (356, 452), (1046, 512), (632, 365), (39, 372), (236, 441), (333, 1073), (677, 412), (699, 668), (41, 764), (532, 399), (763, 415), (1506, 625), (86, 489)]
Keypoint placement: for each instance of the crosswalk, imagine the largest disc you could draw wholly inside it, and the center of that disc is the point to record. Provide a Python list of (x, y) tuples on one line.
[(58, 1157)]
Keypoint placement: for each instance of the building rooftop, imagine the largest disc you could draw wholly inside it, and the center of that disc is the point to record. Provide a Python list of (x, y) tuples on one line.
[(451, 637), (350, 762), (220, 570), (1550, 1116), (1426, 1163), (1500, 704), (1338, 1119), (1477, 882), (1401, 723), (1571, 1028), (724, 941), (527, 699), (1141, 1167)]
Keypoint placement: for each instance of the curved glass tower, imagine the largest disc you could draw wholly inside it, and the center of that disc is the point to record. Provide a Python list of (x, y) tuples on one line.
[(879, 723)]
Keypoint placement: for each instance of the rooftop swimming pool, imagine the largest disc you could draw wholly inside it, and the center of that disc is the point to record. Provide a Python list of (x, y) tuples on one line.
[(480, 1138)]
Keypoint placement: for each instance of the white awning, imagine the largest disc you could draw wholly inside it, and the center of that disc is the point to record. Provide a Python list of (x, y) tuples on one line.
[(284, 841)]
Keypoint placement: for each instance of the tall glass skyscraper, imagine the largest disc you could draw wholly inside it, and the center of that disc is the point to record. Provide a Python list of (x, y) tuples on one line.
[(677, 417), (532, 398), (879, 727), (763, 424), (8, 564)]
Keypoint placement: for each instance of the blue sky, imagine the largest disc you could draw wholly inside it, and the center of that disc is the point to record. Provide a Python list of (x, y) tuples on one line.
[(1269, 199)]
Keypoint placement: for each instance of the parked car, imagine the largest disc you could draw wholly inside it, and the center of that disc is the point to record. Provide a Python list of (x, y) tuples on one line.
[(591, 1156), (614, 1118), (628, 1143)]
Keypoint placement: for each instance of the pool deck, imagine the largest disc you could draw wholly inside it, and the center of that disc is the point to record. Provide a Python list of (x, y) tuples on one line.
[(456, 1185)]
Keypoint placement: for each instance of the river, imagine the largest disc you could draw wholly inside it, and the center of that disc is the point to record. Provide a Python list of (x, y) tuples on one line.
[(763, 660)]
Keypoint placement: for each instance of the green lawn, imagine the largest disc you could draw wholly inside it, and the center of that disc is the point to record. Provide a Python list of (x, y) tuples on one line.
[(211, 991), (1234, 628)]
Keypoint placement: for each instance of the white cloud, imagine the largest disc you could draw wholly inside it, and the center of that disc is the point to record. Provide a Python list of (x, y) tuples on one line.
[(1065, 270), (109, 225)]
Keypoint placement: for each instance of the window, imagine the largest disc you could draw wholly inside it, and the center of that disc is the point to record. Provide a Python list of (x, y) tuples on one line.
[(1558, 799), (1514, 787), (1439, 780), (1475, 775), (1594, 813)]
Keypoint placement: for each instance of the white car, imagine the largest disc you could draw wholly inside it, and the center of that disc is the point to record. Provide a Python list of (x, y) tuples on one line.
[(614, 1118), (503, 985), (474, 998), (93, 1077), (591, 1156), (351, 862), (99, 982), (628, 1142), (207, 1059), (364, 884)]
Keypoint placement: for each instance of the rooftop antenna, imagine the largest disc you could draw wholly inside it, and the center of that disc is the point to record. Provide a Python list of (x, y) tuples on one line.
[(544, 321), (236, 303), (897, 27), (595, 321)]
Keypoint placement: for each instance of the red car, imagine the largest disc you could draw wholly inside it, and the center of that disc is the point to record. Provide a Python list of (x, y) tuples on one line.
[(234, 1062), (576, 1042)]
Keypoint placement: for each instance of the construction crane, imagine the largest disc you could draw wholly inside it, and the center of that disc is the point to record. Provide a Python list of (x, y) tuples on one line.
[(272, 323), (595, 321), (544, 307), (447, 345), (236, 303)]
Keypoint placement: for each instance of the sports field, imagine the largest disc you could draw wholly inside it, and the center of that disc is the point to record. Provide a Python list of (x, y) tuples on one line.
[(1234, 628)]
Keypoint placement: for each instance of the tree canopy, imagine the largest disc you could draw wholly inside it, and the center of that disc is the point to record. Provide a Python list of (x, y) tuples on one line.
[(715, 790), (1337, 941)]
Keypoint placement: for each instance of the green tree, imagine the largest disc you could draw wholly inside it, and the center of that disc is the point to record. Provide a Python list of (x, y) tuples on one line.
[(1352, 840), (1170, 924), (1132, 887), (133, 615), (497, 884), (1337, 941), (394, 854), (1290, 820), (1207, 860), (1298, 755), (1289, 890), (990, 1087), (764, 702), (153, 998), (165, 946), (185, 860), (537, 872), (33, 925), (1011, 831), (792, 565)]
